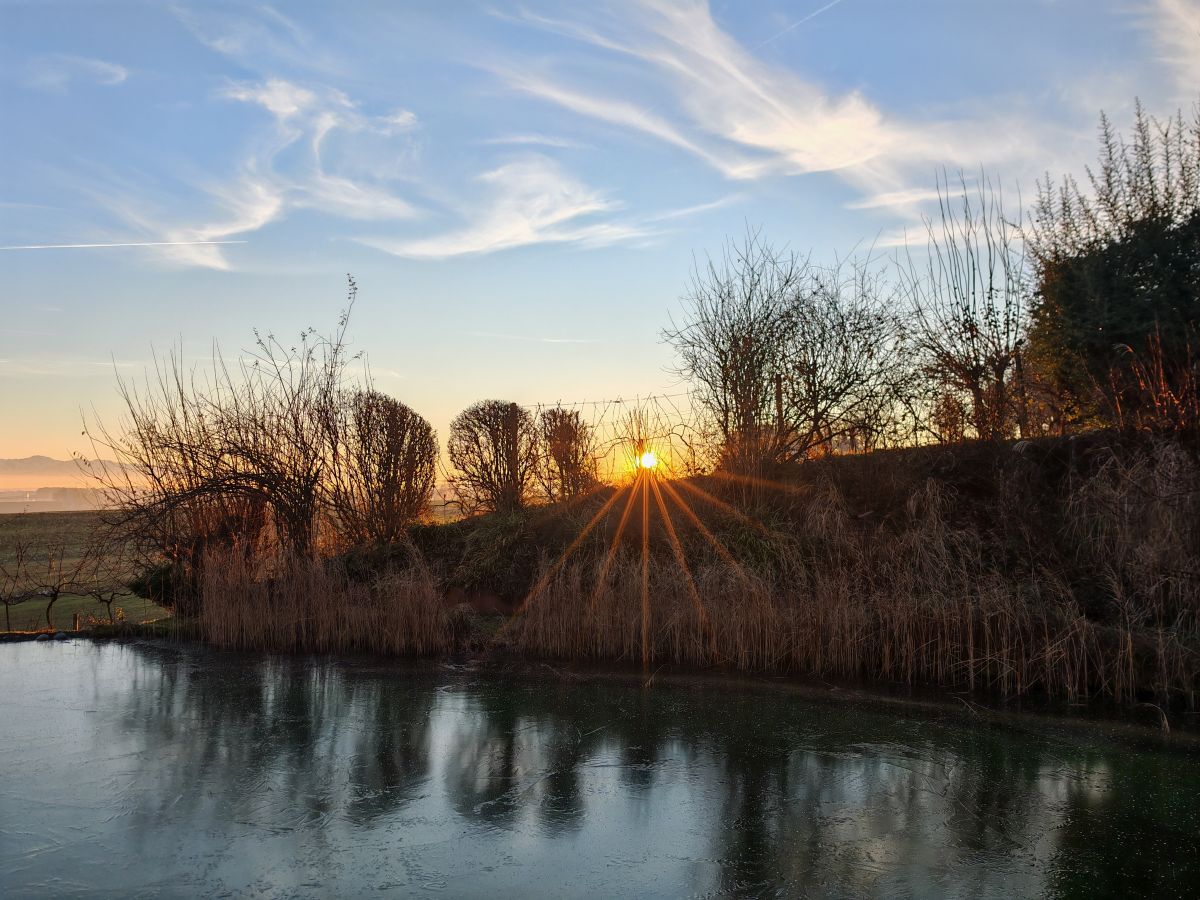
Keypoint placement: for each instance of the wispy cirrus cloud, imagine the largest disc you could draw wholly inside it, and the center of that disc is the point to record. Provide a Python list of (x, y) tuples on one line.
[(301, 161), (534, 200), (110, 244), (750, 119), (531, 200), (56, 71), (537, 140), (256, 35), (41, 366), (898, 199), (311, 118)]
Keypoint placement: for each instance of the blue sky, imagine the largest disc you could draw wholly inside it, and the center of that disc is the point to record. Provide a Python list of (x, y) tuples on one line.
[(518, 189)]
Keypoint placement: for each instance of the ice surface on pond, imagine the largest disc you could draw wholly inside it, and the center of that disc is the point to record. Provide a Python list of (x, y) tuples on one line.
[(143, 770)]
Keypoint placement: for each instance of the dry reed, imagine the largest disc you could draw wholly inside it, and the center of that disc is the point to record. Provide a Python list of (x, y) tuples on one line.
[(921, 604), (923, 596), (312, 606)]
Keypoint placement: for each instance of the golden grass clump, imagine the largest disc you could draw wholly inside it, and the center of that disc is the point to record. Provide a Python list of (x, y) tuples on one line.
[(312, 606), (917, 604), (1093, 593)]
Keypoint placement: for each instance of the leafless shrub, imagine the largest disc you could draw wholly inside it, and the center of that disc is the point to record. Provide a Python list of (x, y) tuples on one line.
[(210, 459), (273, 454), (493, 448), (569, 455), (384, 457)]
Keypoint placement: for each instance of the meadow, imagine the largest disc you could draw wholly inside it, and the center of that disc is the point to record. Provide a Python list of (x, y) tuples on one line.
[(72, 533)]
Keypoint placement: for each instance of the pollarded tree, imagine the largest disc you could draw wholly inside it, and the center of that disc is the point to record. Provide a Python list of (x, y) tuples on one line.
[(568, 463), (383, 463), (493, 448)]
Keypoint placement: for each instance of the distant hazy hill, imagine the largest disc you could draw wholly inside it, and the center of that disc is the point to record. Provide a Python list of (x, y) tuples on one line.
[(35, 472)]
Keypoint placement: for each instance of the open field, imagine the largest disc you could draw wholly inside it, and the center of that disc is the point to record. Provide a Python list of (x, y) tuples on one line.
[(41, 533)]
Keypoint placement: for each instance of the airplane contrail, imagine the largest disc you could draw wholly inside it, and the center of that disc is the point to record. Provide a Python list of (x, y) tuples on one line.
[(794, 25), (127, 244)]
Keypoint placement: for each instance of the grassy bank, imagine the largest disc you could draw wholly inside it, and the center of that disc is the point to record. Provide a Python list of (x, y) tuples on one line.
[(1062, 567)]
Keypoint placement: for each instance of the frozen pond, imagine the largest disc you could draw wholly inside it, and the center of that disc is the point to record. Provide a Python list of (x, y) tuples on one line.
[(139, 770)]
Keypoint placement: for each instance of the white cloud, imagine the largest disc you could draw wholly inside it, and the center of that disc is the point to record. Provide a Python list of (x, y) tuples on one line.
[(269, 183), (281, 98), (533, 200), (905, 198), (538, 140), (528, 201), (255, 36), (710, 96), (56, 71)]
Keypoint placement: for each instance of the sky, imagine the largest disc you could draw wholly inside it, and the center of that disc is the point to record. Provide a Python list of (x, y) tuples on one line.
[(520, 190)]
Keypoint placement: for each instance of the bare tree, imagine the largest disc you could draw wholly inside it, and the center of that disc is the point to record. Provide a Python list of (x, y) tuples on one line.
[(219, 457), (733, 345), (847, 364), (14, 582), (493, 447), (58, 572), (384, 458), (788, 358), (569, 454), (970, 301)]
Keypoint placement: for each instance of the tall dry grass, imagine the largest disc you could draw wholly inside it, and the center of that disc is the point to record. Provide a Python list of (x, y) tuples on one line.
[(923, 603), (305, 605), (1100, 602)]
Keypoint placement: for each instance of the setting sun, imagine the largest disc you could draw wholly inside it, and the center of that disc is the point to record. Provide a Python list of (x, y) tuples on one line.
[(648, 460)]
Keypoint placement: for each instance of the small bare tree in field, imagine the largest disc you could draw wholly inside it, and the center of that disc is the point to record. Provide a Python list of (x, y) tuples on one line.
[(493, 448), (384, 459), (55, 572), (970, 302), (569, 455), (14, 583)]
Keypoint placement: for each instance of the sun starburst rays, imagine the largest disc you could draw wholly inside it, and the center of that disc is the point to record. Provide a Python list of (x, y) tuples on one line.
[(664, 515)]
